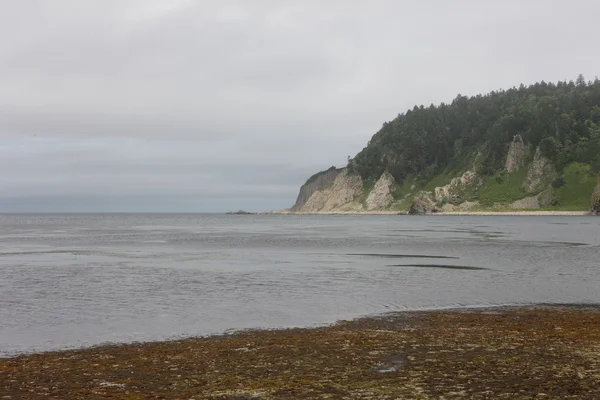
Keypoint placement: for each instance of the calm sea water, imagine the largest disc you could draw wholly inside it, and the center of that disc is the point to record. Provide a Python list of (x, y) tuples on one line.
[(80, 280)]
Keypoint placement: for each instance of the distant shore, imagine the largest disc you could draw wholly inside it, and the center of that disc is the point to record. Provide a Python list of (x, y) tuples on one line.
[(504, 352), (488, 213)]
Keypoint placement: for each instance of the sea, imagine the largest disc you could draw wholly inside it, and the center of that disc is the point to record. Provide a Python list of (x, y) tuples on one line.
[(75, 280)]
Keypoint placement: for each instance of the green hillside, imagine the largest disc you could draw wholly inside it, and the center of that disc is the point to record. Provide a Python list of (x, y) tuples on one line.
[(563, 118), (428, 146), (531, 147)]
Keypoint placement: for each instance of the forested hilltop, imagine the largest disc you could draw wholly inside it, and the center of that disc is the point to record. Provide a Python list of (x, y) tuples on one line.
[(563, 119), (529, 147)]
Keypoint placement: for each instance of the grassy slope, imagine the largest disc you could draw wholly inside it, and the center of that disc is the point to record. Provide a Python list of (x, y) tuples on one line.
[(368, 185), (580, 182), (503, 189), (404, 193)]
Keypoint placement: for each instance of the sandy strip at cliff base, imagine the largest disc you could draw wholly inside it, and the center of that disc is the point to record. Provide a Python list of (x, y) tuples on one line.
[(513, 213), (286, 212), (502, 353), (558, 213)]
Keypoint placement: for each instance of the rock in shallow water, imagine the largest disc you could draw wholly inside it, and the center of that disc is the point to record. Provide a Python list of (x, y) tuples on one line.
[(392, 364)]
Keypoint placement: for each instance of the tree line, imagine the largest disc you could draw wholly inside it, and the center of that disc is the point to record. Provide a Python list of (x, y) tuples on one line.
[(562, 118)]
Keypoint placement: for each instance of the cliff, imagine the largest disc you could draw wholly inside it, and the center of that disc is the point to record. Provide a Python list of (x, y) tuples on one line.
[(514, 159), (315, 183), (381, 197), (540, 173), (533, 185), (336, 197), (535, 147)]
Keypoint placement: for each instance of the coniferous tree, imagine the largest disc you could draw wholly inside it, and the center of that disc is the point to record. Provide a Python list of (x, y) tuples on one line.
[(561, 118)]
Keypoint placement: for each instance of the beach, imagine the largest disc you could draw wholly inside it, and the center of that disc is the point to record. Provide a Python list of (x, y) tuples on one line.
[(463, 213), (502, 353), (473, 213), (517, 213)]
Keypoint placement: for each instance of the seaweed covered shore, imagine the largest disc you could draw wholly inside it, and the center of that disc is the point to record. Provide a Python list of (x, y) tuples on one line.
[(511, 353)]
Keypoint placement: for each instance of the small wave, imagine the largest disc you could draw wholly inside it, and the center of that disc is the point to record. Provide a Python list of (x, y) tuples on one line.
[(467, 267), (21, 253), (402, 256)]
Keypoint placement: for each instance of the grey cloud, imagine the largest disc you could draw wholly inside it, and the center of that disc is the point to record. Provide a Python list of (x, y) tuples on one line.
[(214, 104)]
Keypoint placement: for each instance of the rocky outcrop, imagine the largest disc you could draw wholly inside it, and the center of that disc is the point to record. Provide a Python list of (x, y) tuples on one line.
[(423, 203), (595, 201), (541, 172), (546, 198), (318, 182), (381, 196), (345, 188), (450, 191), (339, 191), (526, 203), (464, 206), (514, 159), (428, 202)]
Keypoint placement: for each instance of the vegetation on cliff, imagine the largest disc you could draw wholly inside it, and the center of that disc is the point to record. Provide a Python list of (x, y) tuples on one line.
[(563, 119), (523, 148)]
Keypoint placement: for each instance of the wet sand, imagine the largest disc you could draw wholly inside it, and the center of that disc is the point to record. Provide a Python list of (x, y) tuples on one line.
[(511, 353)]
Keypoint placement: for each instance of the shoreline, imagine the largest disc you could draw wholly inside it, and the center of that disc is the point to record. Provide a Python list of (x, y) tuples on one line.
[(489, 352), (442, 213), (517, 213)]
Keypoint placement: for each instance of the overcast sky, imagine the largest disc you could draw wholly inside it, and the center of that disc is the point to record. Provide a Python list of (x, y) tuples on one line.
[(180, 105)]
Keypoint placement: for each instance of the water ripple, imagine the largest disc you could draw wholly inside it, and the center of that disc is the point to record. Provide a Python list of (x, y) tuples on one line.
[(77, 280)]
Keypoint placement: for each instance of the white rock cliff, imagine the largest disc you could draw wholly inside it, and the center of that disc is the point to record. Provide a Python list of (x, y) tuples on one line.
[(345, 188), (381, 196), (514, 159)]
